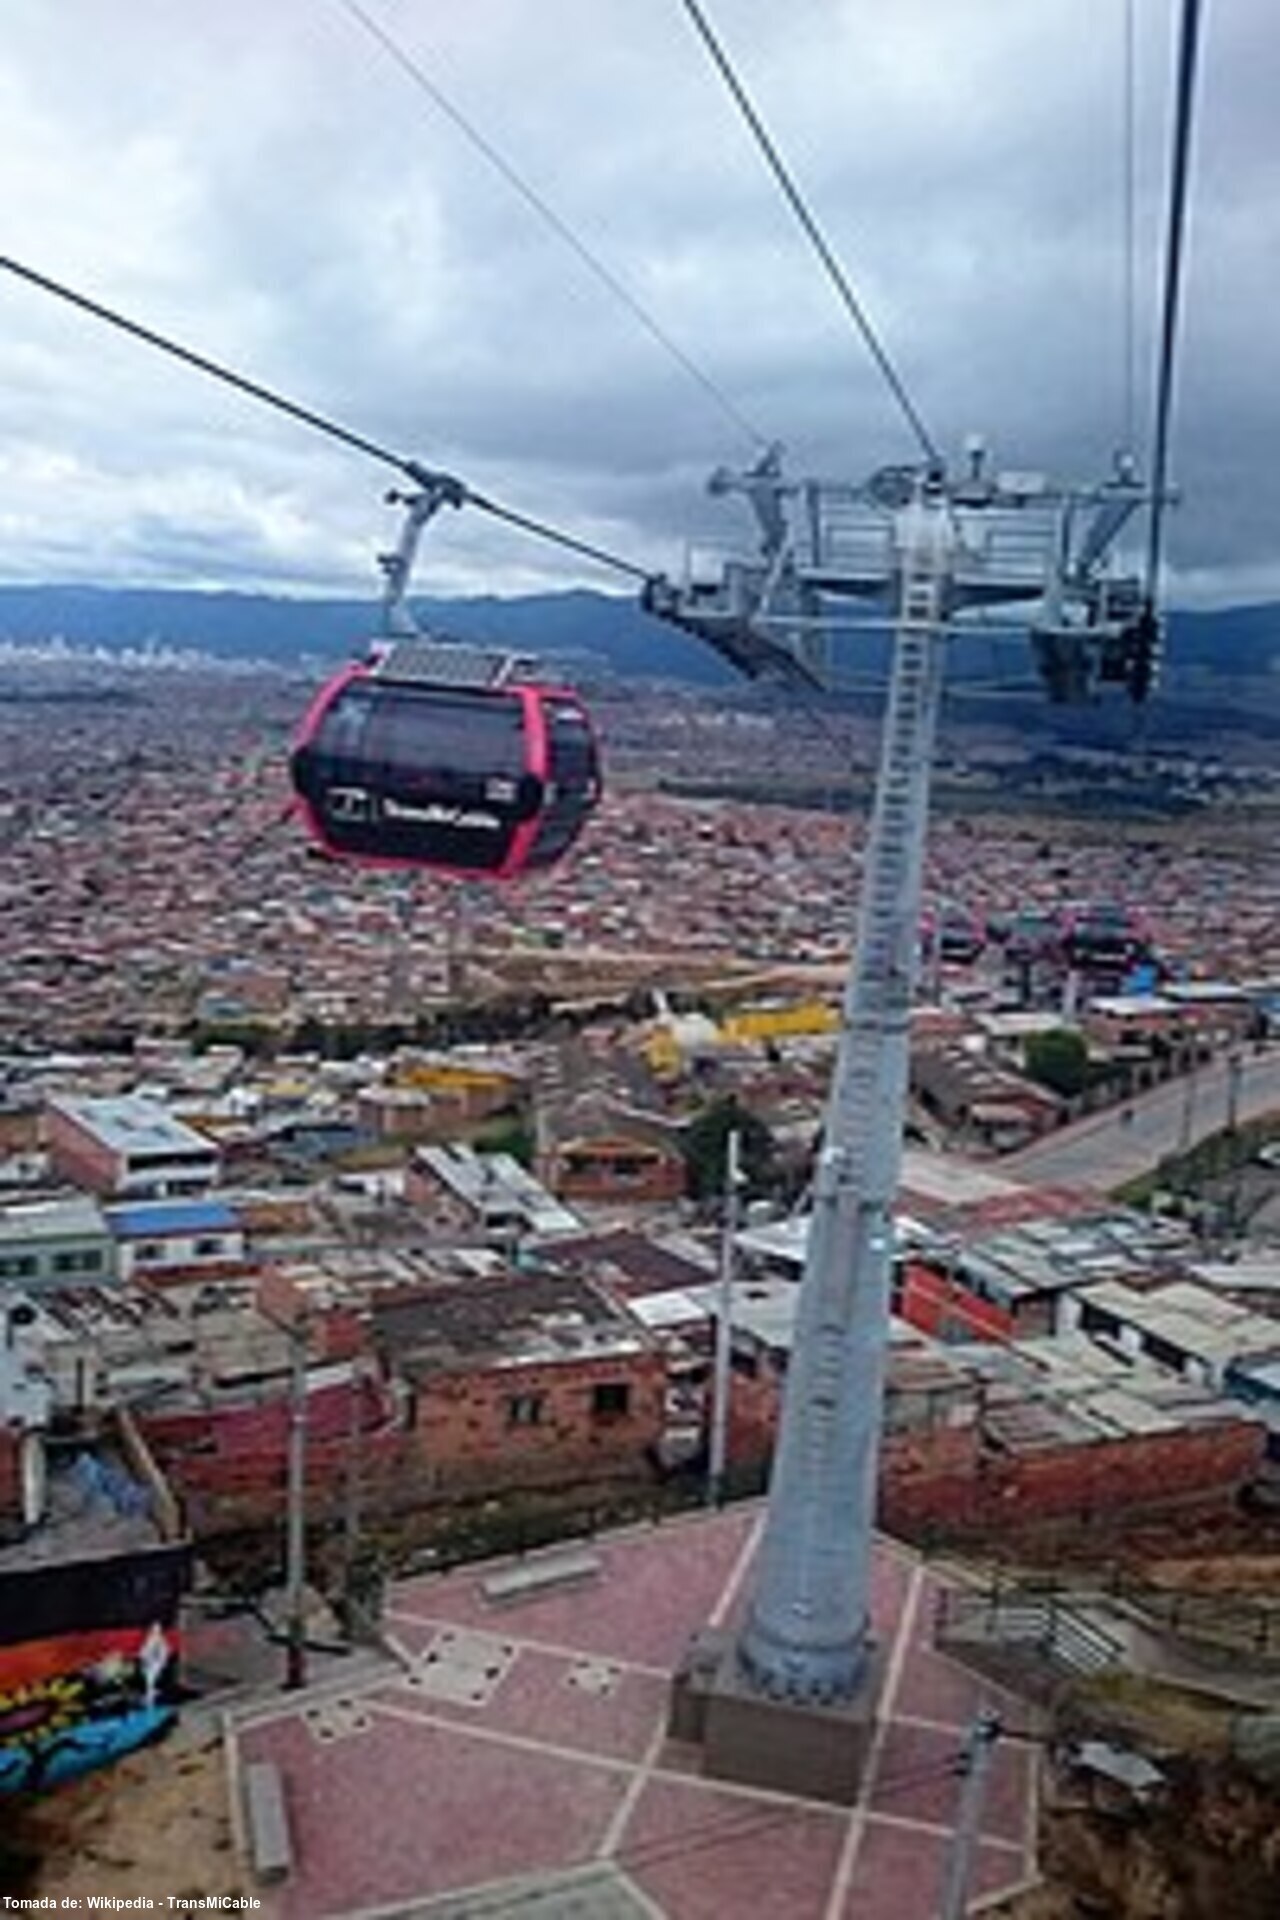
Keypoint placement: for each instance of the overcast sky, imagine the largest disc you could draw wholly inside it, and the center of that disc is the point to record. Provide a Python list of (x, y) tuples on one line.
[(263, 182)]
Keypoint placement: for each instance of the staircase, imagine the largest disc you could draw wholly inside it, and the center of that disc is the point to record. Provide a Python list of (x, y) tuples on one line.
[(1029, 1641)]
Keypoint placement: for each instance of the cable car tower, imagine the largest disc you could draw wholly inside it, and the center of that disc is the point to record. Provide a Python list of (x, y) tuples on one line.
[(791, 1700)]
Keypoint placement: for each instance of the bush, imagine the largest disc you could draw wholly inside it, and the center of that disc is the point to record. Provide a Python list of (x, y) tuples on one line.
[(1059, 1060)]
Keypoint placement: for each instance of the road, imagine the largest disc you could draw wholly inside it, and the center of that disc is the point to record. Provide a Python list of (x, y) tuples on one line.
[(1105, 1151)]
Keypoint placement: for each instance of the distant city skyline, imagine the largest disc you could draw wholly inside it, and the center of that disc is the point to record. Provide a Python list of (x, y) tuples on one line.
[(275, 191)]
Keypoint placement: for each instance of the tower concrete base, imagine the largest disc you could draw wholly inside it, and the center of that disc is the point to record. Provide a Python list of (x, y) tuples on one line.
[(786, 1745)]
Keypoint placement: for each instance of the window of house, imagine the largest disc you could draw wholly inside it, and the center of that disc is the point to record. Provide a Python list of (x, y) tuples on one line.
[(150, 1250), (1095, 1320), (610, 1400), (525, 1409), (87, 1260), (1164, 1353), (207, 1247)]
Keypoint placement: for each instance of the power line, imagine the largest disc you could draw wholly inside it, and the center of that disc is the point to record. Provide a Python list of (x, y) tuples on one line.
[(456, 491), (840, 280), (1184, 102), (412, 66)]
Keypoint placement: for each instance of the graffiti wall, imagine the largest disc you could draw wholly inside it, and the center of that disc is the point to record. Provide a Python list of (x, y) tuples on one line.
[(89, 1655)]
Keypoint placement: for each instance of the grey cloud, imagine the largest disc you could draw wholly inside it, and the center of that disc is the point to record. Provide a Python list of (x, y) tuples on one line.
[(263, 183)]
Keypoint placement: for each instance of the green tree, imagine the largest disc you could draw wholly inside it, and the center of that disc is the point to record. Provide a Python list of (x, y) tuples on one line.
[(705, 1145), (1059, 1060)]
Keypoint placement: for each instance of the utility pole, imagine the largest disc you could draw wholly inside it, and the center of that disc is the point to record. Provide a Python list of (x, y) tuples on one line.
[(1235, 1073), (352, 1488), (974, 1766), (296, 1518), (723, 1372), (1186, 1126)]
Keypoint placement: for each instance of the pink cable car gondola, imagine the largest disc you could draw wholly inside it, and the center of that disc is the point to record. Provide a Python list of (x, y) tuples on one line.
[(446, 757)]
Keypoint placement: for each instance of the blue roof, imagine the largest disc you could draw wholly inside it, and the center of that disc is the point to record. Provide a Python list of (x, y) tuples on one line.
[(150, 1218)]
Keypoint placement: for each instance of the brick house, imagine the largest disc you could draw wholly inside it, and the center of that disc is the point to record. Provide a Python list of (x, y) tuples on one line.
[(529, 1380), (130, 1148), (986, 1106), (616, 1167)]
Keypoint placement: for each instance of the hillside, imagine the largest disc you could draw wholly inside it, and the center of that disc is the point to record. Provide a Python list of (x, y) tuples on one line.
[(1232, 645)]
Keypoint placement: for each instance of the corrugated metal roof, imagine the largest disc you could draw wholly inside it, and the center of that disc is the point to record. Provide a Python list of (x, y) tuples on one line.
[(1194, 1319), (496, 1183)]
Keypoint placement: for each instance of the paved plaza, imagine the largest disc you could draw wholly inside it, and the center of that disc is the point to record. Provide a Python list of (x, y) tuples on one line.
[(513, 1759)]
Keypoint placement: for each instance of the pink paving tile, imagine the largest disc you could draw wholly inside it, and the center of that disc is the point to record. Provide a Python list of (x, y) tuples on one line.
[(538, 1699), (654, 1586), (439, 1797), (890, 1584), (898, 1873), (701, 1853), (405, 1811), (916, 1779), (935, 1688)]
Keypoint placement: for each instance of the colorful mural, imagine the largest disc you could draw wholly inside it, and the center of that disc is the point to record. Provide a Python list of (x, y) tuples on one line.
[(104, 1680)]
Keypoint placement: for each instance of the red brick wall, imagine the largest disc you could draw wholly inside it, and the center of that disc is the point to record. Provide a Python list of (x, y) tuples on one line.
[(10, 1477), (232, 1473), (753, 1415), (947, 1480), (20, 1129), (465, 1433), (623, 1175), (78, 1157)]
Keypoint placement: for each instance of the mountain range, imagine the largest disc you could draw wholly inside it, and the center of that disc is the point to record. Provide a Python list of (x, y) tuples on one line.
[(591, 633)]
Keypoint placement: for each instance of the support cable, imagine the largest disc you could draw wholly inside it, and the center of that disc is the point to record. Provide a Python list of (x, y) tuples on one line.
[(543, 530), (455, 490), (412, 66), (1128, 231), (1184, 101), (795, 200), (227, 375)]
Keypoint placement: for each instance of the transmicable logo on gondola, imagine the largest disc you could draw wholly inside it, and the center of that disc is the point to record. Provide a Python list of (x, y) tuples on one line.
[(348, 803), (433, 813)]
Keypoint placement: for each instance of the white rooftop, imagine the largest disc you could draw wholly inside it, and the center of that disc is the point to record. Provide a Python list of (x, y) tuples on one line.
[(496, 1183), (128, 1124), (29, 1220), (1196, 1320)]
